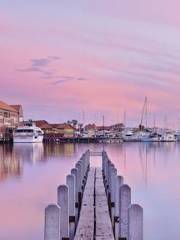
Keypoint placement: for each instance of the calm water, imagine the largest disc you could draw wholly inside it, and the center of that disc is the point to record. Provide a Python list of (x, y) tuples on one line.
[(29, 175)]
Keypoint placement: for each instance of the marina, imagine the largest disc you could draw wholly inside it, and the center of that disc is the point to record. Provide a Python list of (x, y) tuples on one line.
[(13, 128), (89, 120)]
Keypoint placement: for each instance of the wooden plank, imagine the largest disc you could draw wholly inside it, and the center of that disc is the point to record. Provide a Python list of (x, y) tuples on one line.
[(103, 223), (95, 154), (85, 228)]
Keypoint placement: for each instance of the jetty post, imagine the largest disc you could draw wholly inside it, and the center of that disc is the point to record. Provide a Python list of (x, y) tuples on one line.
[(52, 222), (63, 202), (79, 185), (70, 181), (74, 172), (124, 203), (119, 183), (135, 222), (113, 193)]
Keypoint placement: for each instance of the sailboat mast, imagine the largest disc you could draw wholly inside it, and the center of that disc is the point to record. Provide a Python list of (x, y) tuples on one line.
[(144, 112)]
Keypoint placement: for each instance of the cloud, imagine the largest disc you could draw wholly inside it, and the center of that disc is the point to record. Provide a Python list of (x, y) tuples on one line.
[(54, 57), (65, 79), (43, 66), (41, 62)]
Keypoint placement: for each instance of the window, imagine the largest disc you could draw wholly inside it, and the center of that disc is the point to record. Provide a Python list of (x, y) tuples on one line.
[(24, 131), (6, 114)]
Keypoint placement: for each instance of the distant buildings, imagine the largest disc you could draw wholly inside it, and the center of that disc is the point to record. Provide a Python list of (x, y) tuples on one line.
[(74, 130), (64, 130), (10, 117)]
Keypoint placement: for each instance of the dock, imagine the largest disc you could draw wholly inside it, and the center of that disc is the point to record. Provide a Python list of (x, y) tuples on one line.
[(95, 204), (94, 222)]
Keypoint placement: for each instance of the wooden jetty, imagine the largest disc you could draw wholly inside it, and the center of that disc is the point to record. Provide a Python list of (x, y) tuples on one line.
[(93, 205)]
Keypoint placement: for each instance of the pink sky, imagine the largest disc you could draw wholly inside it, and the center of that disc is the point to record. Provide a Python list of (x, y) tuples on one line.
[(63, 57)]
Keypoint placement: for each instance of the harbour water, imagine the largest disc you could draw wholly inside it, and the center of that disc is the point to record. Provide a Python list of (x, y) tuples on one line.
[(30, 174)]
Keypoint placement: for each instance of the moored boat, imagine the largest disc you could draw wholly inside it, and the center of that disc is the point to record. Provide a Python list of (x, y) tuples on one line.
[(29, 133), (168, 136)]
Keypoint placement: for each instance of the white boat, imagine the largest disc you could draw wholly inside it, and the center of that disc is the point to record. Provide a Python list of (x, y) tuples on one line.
[(168, 137), (28, 134), (128, 135), (152, 137)]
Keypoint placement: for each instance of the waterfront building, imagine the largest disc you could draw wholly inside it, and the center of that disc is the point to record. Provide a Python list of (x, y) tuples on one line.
[(64, 130), (19, 110), (10, 117), (45, 126)]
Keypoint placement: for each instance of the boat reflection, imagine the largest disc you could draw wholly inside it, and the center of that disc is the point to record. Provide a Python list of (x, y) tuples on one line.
[(10, 164), (14, 156)]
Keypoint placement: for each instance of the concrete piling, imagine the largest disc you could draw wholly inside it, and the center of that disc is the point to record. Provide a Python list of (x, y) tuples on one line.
[(70, 181), (79, 182), (74, 172), (119, 183), (52, 222), (63, 202), (135, 222), (113, 192), (124, 203)]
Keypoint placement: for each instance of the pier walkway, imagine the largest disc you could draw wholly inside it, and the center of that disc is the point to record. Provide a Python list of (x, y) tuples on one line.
[(95, 204), (94, 221)]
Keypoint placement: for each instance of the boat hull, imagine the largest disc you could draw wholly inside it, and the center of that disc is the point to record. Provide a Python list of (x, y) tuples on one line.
[(28, 139)]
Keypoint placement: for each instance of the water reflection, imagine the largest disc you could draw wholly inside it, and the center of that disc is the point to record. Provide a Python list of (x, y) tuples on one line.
[(30, 173), (10, 164), (12, 157)]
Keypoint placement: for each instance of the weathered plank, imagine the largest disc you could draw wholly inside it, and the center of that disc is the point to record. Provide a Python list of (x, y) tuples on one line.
[(85, 228), (103, 223)]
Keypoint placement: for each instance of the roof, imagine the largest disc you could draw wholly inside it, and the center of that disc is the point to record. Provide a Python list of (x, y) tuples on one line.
[(18, 108), (100, 128), (42, 124), (62, 126), (7, 107)]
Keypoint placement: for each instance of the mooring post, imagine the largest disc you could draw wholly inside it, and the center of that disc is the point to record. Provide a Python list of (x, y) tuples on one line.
[(82, 162), (124, 203), (87, 157), (105, 169), (79, 173), (74, 172), (70, 181), (52, 222), (135, 222), (108, 174), (79, 186), (103, 163), (113, 193), (63, 202), (119, 183)]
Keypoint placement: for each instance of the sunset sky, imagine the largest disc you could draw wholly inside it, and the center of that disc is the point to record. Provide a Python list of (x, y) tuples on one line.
[(59, 58)]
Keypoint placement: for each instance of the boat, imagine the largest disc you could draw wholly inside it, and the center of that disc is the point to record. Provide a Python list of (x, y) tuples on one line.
[(28, 133), (152, 137), (128, 135), (168, 136)]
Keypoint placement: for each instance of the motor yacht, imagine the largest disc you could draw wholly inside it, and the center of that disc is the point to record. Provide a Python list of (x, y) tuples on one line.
[(28, 133)]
